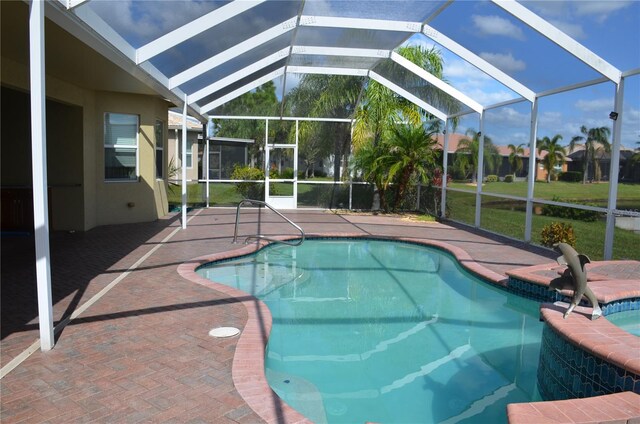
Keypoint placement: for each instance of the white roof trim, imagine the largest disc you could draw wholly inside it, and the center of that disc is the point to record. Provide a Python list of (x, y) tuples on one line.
[(404, 93), (193, 28), (561, 39), (232, 52), (431, 79)]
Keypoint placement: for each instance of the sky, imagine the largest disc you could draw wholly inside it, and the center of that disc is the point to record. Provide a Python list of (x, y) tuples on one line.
[(608, 28), (530, 59)]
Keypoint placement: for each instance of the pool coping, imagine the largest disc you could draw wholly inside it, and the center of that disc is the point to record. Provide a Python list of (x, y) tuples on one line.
[(248, 363)]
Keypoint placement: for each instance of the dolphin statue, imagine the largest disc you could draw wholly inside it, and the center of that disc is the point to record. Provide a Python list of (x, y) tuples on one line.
[(575, 278)]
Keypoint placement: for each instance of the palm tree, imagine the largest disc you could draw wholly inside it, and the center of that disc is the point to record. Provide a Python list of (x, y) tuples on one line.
[(515, 157), (409, 153), (467, 153), (596, 140), (373, 171), (381, 109), (555, 153), (333, 96)]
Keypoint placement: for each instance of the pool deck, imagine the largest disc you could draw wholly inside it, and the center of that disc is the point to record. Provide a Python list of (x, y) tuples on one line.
[(136, 346)]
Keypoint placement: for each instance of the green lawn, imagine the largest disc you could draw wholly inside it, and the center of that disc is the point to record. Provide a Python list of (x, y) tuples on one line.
[(506, 218), (597, 194), (511, 221)]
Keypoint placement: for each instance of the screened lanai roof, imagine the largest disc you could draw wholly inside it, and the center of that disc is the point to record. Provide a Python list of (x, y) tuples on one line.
[(210, 52)]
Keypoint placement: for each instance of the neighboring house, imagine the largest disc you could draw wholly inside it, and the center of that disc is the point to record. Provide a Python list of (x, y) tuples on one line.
[(106, 132), (174, 144), (629, 169), (224, 152), (504, 167)]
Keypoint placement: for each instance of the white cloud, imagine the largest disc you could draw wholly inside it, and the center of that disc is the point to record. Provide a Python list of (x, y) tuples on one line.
[(460, 69), (151, 19), (547, 8), (495, 25), (595, 105), (475, 83), (505, 62), (571, 29), (599, 9), (550, 119), (508, 116)]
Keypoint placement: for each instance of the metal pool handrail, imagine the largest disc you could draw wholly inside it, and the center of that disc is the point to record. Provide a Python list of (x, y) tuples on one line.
[(260, 236)]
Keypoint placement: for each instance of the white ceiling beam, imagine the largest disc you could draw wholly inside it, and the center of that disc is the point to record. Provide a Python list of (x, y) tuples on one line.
[(631, 72), (479, 63), (237, 76), (358, 23), (404, 93), (244, 89), (326, 70), (560, 38), (573, 87), (340, 51), (193, 28), (232, 52), (437, 82), (278, 118)]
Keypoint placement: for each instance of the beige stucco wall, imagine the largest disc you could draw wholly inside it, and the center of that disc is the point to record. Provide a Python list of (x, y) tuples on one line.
[(114, 199), (192, 138), (82, 205)]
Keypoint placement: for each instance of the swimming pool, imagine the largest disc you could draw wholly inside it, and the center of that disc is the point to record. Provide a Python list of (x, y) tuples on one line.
[(372, 330)]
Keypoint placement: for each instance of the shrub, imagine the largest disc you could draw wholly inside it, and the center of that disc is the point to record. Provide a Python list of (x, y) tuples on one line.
[(247, 189), (491, 179), (568, 212), (508, 178), (558, 232), (570, 176), (287, 174)]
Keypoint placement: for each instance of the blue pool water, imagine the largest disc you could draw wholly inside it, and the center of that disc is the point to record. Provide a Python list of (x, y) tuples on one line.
[(382, 331), (629, 321)]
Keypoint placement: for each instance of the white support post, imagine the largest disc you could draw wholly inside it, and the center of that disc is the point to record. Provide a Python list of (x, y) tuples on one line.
[(533, 168), (267, 165), (295, 168), (614, 170), (183, 164), (208, 165), (39, 170), (480, 172), (445, 165), (350, 171)]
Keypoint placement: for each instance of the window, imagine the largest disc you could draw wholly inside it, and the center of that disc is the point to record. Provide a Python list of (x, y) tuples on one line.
[(189, 151), (159, 131), (120, 147)]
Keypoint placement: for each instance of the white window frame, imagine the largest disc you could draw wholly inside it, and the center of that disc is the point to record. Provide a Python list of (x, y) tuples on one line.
[(159, 175), (114, 146), (190, 144)]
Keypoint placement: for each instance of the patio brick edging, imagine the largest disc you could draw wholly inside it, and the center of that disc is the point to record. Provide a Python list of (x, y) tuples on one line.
[(248, 362)]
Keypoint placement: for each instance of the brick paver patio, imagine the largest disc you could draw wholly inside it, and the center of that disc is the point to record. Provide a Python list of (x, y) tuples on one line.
[(141, 353)]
